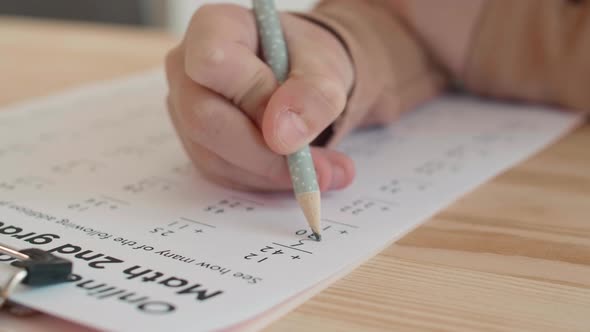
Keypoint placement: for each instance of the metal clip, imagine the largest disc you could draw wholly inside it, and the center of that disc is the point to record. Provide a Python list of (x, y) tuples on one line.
[(36, 268), (14, 281), (16, 278)]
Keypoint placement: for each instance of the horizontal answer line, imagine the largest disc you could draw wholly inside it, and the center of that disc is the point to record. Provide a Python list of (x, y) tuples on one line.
[(284, 246), (340, 223), (197, 222)]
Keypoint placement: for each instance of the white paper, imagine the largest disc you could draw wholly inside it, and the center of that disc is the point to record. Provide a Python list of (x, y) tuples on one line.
[(156, 247)]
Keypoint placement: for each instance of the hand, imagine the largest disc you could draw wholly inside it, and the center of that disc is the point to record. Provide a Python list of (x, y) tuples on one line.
[(233, 119)]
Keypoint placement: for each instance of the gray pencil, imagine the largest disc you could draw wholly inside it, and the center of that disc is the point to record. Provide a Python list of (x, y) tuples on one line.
[(301, 167)]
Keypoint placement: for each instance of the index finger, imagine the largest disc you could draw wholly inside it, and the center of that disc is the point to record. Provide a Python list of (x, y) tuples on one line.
[(221, 54)]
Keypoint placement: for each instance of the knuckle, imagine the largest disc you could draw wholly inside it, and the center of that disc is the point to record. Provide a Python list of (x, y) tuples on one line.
[(209, 54), (204, 53), (204, 58)]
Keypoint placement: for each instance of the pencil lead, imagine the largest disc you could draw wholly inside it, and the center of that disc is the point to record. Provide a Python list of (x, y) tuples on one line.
[(318, 236)]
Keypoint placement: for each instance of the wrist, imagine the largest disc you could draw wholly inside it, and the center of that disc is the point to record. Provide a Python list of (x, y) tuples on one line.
[(392, 71), (327, 134)]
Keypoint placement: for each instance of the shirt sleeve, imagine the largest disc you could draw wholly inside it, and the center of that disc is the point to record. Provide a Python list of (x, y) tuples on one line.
[(393, 72), (532, 50)]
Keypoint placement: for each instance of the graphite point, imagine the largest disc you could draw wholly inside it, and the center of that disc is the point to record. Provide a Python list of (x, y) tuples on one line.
[(318, 236)]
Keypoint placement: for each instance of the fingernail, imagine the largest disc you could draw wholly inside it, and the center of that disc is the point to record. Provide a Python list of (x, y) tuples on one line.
[(291, 129), (338, 178)]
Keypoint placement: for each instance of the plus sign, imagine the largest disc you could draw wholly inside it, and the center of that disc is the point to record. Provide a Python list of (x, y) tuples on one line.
[(344, 232), (295, 257)]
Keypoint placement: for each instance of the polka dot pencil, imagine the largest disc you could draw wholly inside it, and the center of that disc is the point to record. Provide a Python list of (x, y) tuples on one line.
[(301, 167)]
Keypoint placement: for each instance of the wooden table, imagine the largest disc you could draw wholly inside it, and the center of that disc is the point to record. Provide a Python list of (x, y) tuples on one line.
[(512, 255)]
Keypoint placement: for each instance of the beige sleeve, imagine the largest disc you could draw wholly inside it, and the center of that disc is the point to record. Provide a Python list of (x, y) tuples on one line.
[(532, 50), (393, 73)]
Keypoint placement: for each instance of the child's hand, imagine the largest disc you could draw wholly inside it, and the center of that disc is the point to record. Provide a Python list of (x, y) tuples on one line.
[(234, 120)]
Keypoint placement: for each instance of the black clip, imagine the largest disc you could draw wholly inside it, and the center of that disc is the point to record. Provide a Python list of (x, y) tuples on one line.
[(36, 268)]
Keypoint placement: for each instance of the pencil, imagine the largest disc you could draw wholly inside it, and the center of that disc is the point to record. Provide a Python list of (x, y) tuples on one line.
[(303, 176)]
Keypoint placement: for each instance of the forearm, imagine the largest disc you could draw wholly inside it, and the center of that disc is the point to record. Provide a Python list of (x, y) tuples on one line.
[(530, 50), (393, 72), (536, 50)]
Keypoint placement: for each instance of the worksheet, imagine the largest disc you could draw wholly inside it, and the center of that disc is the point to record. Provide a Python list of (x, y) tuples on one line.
[(98, 176)]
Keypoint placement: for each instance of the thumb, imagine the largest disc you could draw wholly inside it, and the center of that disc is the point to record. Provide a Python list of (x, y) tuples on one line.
[(313, 95), (301, 109)]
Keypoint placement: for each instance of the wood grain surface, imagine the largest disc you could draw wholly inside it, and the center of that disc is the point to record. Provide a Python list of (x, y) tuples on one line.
[(513, 255)]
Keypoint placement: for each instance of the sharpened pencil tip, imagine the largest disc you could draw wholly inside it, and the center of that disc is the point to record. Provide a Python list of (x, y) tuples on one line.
[(318, 236), (310, 205)]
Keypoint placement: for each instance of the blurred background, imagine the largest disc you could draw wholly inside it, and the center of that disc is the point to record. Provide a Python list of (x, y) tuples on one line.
[(172, 15)]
